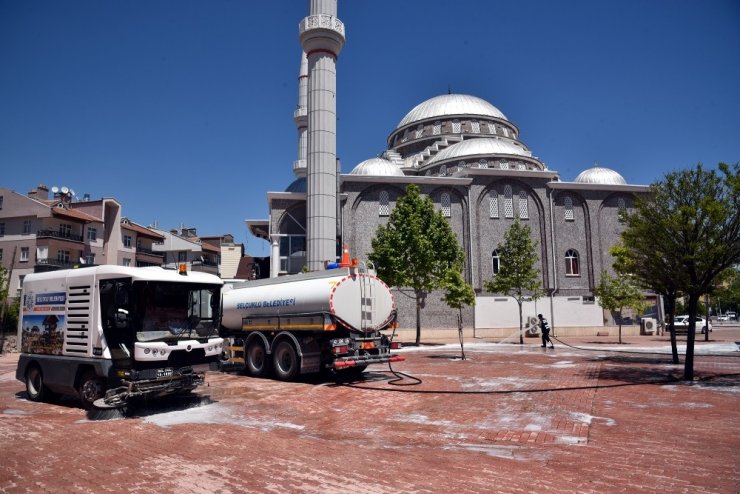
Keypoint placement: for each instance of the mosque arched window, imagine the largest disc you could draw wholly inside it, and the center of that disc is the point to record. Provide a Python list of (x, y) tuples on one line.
[(493, 204), (446, 206), (483, 164), (523, 205), (475, 127), (621, 204), (437, 128), (419, 131), (495, 262), (492, 128), (522, 166), (506, 131), (504, 165), (572, 267), (456, 126), (384, 208), (461, 166), (568, 205), (508, 202), (443, 171), (428, 173)]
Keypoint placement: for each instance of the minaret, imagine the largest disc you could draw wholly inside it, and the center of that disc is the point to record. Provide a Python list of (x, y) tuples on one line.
[(322, 38), (300, 116)]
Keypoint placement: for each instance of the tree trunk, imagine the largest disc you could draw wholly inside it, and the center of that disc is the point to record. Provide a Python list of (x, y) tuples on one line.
[(521, 326), (672, 327), (688, 371), (418, 319), (460, 332)]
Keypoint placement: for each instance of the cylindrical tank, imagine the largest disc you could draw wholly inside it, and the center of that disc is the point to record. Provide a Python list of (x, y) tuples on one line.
[(360, 300)]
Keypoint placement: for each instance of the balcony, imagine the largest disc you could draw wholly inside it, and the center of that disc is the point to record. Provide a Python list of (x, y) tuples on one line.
[(58, 235), (147, 257), (43, 265)]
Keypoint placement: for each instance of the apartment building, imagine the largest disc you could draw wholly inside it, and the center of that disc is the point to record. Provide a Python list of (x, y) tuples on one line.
[(45, 230)]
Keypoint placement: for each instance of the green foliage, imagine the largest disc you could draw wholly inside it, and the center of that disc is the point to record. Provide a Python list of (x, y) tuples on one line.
[(11, 315), (416, 248), (458, 293), (8, 307), (518, 275), (684, 234), (618, 293), (4, 283), (727, 296)]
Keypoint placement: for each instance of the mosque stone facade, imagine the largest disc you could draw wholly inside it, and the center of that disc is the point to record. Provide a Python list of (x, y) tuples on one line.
[(466, 155)]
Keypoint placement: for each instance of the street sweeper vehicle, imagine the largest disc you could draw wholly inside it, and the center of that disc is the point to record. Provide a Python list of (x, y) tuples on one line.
[(112, 333), (309, 322)]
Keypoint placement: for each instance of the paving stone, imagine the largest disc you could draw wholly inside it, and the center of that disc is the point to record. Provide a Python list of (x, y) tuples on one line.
[(507, 419)]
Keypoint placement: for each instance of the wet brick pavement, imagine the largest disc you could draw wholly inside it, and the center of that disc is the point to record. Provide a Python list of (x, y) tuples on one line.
[(507, 419)]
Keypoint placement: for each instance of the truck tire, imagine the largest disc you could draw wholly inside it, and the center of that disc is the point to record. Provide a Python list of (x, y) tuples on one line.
[(35, 388), (256, 357), (91, 388), (285, 361)]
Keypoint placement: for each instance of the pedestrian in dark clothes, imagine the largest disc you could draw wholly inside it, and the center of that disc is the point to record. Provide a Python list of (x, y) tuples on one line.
[(545, 329)]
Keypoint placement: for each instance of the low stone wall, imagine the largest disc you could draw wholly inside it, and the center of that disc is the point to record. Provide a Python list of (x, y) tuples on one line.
[(409, 334)]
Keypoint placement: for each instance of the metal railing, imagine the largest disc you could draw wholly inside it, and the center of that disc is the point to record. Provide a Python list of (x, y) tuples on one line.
[(58, 234)]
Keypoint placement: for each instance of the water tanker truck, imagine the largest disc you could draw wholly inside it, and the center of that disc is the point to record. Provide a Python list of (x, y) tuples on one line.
[(111, 333), (309, 322)]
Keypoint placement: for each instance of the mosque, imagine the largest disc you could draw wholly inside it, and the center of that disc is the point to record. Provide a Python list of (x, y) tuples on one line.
[(469, 158)]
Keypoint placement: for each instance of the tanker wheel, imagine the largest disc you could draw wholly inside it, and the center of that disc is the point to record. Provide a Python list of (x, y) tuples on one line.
[(285, 361), (90, 389), (35, 384), (256, 356)]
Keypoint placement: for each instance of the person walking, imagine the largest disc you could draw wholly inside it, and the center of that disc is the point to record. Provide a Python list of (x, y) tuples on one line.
[(545, 329)]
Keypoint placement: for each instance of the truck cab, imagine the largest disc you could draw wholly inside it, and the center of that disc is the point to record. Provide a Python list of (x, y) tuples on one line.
[(111, 333)]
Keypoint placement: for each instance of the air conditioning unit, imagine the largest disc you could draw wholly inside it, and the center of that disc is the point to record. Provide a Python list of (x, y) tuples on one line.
[(533, 326), (649, 325)]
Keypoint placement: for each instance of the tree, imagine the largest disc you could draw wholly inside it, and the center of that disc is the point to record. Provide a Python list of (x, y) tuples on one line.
[(727, 296), (691, 222), (617, 293), (416, 248), (518, 276), (650, 271), (457, 295)]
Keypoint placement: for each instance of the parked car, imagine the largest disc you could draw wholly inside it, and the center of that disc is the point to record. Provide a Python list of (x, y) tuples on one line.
[(723, 317), (682, 324)]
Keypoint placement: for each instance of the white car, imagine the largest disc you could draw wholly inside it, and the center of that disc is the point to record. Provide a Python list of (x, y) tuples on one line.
[(682, 324), (723, 317)]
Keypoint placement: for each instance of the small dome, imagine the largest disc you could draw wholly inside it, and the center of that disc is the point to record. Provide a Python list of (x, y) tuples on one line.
[(600, 175), (377, 167), (476, 147), (298, 185), (451, 104)]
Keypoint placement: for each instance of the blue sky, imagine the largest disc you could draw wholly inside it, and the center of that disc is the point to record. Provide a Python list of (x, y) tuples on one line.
[(182, 110)]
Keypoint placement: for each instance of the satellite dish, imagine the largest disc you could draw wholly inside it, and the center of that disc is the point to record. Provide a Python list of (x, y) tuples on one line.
[(55, 189), (64, 190)]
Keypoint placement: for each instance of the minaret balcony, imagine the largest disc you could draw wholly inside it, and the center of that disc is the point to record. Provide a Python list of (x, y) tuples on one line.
[(321, 32), (300, 116), (299, 166)]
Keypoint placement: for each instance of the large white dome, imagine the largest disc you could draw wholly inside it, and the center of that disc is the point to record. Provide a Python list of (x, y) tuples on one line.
[(476, 147), (600, 175), (451, 104), (377, 167)]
